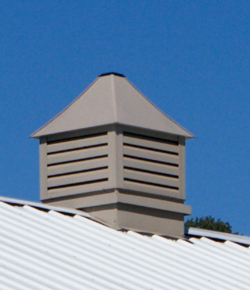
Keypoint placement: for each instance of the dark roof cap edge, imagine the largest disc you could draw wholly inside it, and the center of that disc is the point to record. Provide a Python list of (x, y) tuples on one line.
[(112, 73)]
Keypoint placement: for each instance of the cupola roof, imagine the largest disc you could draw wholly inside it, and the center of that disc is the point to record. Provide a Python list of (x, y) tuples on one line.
[(111, 99)]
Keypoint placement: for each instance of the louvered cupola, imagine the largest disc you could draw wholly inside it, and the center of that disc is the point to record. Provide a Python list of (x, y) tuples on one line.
[(113, 154)]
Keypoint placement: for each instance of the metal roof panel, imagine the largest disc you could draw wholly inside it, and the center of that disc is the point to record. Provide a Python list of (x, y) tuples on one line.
[(47, 249)]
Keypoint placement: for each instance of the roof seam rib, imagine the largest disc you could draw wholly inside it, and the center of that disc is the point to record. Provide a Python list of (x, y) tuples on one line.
[(114, 97)]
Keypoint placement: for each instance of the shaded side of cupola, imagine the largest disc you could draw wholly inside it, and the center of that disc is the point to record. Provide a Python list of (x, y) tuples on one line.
[(113, 154)]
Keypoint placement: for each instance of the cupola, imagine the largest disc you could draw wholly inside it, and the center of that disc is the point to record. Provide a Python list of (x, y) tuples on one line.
[(113, 154)]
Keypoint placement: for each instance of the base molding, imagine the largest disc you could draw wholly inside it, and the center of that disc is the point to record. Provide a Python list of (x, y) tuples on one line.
[(132, 212)]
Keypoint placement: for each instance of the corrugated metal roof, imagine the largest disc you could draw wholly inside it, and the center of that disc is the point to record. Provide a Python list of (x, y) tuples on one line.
[(48, 249)]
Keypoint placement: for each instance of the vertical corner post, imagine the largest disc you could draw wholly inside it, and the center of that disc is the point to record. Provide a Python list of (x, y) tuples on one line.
[(115, 155), (43, 168), (182, 168)]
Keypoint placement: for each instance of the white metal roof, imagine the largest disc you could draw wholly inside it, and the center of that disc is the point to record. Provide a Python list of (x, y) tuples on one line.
[(111, 99), (218, 235), (42, 248)]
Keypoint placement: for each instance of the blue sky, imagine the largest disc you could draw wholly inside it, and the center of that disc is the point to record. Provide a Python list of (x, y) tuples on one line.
[(191, 58)]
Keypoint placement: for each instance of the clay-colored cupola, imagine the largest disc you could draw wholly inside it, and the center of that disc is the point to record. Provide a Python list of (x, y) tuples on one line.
[(113, 154)]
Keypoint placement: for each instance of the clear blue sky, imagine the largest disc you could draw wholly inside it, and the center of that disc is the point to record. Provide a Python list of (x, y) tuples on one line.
[(191, 58)]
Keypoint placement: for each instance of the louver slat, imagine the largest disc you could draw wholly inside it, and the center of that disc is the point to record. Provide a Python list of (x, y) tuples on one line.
[(151, 178), (77, 155), (77, 144), (79, 189), (151, 144), (157, 156), (150, 166), (152, 189), (77, 166), (77, 178)]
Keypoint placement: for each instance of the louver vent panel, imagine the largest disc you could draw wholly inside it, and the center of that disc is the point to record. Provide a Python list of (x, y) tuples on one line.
[(151, 164), (77, 165)]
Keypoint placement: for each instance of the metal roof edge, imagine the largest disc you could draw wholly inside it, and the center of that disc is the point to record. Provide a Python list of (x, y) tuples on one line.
[(218, 235), (44, 206), (63, 210)]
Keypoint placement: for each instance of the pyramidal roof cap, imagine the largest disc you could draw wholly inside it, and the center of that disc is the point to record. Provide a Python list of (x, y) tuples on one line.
[(111, 99)]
